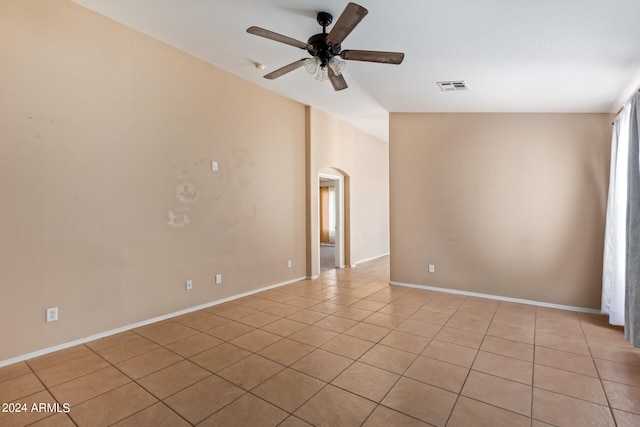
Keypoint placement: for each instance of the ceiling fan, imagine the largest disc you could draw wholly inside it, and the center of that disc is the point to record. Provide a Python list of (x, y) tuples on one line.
[(325, 48)]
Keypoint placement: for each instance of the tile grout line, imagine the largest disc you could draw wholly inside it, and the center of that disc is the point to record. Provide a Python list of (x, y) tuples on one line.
[(606, 395), (470, 366), (46, 388)]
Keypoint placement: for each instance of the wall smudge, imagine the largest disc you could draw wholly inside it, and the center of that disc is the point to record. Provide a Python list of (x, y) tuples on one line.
[(179, 219), (187, 193)]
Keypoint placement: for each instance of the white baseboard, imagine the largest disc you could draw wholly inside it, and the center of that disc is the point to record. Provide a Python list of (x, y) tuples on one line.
[(369, 259), (499, 298), (138, 324)]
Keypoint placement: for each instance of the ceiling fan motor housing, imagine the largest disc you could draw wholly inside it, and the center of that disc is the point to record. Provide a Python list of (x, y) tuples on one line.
[(319, 47)]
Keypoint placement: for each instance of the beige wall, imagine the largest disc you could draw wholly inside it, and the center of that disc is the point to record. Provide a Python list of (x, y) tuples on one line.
[(503, 204), (100, 129), (335, 145)]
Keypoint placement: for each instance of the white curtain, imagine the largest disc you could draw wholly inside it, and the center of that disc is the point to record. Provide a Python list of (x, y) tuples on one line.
[(613, 280), (621, 268)]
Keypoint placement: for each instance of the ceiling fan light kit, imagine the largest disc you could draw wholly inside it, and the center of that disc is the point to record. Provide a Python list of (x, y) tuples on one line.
[(327, 57), (337, 66), (314, 66)]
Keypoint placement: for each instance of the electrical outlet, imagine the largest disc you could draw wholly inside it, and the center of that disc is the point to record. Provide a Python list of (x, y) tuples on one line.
[(218, 279), (189, 284), (432, 268), (289, 264), (52, 314)]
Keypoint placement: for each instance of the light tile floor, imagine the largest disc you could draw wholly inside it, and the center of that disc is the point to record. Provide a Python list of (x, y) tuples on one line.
[(344, 350)]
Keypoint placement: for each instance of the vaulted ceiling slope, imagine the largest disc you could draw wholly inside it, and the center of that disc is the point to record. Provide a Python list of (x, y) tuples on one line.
[(515, 55)]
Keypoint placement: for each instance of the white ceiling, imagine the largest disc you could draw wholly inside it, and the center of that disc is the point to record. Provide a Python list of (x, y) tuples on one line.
[(515, 55)]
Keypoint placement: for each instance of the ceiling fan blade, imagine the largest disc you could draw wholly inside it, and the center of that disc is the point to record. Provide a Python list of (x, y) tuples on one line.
[(351, 16), (337, 81), (373, 56), (257, 31), (284, 70)]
